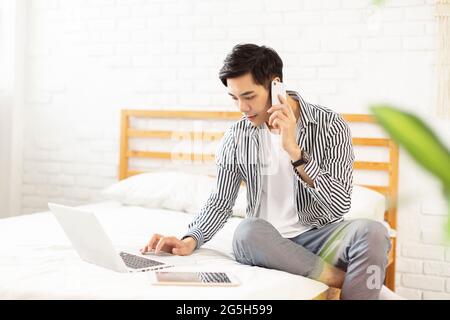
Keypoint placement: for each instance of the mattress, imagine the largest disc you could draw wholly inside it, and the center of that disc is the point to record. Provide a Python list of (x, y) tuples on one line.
[(38, 262)]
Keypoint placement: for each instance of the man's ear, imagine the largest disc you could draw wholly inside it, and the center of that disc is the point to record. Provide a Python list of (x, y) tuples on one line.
[(277, 79)]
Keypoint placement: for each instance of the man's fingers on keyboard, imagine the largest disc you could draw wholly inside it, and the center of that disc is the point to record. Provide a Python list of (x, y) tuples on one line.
[(177, 251), (150, 243), (180, 251), (153, 241), (160, 245), (144, 249), (165, 241)]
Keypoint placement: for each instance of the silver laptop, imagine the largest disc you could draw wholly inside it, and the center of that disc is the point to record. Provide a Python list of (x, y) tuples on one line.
[(93, 245)]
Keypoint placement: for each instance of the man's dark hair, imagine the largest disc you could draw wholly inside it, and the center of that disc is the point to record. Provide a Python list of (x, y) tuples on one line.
[(262, 62)]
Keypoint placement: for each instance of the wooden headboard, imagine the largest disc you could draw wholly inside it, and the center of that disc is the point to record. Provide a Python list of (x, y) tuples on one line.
[(127, 133), (391, 167)]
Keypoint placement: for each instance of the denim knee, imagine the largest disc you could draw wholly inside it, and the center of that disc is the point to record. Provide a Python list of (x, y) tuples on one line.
[(248, 236), (374, 234)]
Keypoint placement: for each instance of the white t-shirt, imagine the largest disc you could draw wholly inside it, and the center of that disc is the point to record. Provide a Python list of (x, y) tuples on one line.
[(277, 199)]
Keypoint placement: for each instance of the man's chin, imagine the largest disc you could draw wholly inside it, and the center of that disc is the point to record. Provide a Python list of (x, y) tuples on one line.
[(255, 122)]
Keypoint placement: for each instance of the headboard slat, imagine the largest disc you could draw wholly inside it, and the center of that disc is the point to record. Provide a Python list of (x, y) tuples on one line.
[(390, 191)]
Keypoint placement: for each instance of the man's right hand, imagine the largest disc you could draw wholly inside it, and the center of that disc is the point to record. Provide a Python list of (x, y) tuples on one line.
[(170, 245)]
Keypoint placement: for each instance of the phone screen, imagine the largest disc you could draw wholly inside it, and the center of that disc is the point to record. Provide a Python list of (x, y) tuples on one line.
[(178, 277), (193, 277)]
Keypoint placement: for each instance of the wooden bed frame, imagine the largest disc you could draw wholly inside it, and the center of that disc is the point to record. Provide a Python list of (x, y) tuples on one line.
[(391, 167)]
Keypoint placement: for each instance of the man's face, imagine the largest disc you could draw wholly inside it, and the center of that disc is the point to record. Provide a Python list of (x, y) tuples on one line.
[(251, 98)]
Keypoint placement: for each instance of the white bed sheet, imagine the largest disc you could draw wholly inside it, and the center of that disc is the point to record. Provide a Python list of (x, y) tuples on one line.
[(38, 262)]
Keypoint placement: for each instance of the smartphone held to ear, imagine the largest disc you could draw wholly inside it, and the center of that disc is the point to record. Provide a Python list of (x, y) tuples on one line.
[(278, 88)]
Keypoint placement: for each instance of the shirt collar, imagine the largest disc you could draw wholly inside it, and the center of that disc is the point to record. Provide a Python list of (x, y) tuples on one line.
[(306, 116)]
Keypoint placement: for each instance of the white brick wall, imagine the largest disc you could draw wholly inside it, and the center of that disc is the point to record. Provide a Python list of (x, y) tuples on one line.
[(423, 282), (88, 59)]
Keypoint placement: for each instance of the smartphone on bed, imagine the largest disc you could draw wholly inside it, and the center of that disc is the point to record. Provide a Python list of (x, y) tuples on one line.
[(223, 279)]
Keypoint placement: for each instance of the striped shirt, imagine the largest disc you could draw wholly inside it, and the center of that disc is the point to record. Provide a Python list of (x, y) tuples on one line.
[(322, 133)]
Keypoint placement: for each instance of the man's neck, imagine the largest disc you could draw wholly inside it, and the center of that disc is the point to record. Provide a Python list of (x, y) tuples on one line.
[(295, 105)]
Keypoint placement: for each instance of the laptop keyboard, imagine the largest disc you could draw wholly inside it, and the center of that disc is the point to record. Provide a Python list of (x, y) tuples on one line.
[(135, 262)]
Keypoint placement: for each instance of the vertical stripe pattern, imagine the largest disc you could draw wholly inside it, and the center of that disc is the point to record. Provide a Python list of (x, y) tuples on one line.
[(322, 133)]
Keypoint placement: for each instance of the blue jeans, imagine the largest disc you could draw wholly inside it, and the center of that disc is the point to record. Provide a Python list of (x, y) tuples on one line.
[(358, 247)]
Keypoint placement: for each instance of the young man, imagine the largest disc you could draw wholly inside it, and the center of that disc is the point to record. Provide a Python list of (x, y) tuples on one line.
[(296, 159)]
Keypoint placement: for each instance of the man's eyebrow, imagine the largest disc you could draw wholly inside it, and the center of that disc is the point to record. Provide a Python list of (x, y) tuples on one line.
[(246, 93)]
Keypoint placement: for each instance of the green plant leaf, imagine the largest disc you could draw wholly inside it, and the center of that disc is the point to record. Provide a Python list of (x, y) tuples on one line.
[(421, 143), (447, 194), (378, 3), (418, 139)]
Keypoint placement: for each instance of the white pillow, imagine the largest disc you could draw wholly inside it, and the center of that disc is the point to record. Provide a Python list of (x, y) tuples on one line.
[(366, 203), (171, 190), (188, 192)]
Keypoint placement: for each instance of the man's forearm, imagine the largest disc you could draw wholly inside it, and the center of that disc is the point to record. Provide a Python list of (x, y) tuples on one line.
[(295, 155)]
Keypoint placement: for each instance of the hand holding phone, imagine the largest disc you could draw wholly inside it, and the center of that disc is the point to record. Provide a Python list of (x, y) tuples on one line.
[(283, 120)]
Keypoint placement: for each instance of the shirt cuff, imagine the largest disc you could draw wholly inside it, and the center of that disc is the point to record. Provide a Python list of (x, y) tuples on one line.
[(312, 169), (197, 234)]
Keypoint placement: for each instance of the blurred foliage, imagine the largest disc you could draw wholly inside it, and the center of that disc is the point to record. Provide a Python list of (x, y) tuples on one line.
[(417, 138), (378, 3)]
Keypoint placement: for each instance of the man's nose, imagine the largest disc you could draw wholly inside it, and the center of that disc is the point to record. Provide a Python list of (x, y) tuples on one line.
[(243, 107)]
